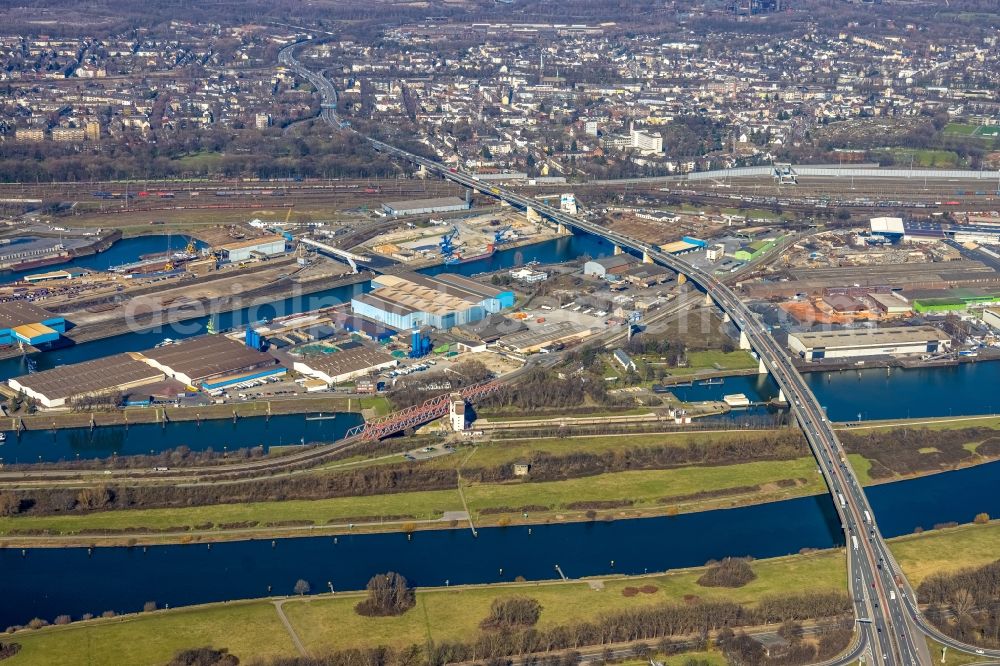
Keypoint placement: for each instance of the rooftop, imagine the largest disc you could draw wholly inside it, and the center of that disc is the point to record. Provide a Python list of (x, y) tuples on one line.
[(207, 356), (347, 361), (870, 336), (438, 202), (251, 242), (19, 313), (541, 335), (97, 376)]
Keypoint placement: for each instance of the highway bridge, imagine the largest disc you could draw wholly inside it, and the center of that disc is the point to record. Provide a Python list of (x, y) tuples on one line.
[(890, 625), (891, 629)]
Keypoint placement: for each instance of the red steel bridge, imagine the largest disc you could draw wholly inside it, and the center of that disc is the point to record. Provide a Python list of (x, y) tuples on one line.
[(430, 409)]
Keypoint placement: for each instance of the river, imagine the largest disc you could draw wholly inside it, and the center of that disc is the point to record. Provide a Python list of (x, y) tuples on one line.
[(50, 582), (32, 446)]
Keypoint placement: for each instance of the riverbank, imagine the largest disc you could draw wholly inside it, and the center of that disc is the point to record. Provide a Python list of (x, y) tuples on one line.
[(257, 628), (287, 626)]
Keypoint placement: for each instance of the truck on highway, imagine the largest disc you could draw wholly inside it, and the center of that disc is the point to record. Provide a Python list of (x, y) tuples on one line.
[(840, 498), (854, 540), (868, 517)]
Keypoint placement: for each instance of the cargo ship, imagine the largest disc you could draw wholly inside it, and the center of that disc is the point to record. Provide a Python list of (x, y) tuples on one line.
[(158, 262), (31, 264), (451, 260)]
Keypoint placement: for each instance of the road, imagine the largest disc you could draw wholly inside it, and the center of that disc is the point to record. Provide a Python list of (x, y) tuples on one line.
[(891, 628)]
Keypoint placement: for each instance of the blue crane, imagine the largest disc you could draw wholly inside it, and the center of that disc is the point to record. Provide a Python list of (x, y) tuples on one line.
[(447, 249)]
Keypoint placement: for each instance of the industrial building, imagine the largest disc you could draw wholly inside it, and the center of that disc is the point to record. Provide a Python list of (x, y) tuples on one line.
[(610, 268), (894, 341), (543, 337), (212, 362), (991, 316), (23, 322), (243, 250), (411, 300), (425, 206), (890, 304), (344, 365), (895, 228), (102, 376), (963, 273)]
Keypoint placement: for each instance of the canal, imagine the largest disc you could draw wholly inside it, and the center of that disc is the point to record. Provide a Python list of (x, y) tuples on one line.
[(220, 435), (49, 582), (124, 251)]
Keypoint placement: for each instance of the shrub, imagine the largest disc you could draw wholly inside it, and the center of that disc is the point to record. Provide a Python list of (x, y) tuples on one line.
[(204, 656), (149, 607), (62, 619), (108, 613), (981, 518), (730, 572), (37, 623), (388, 594), (512, 612)]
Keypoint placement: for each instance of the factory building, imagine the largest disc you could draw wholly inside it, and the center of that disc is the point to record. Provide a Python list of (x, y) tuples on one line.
[(991, 316), (895, 341), (610, 268), (212, 362), (102, 376), (22, 322), (895, 228), (544, 337), (890, 304), (345, 365), (411, 300), (425, 206), (266, 246)]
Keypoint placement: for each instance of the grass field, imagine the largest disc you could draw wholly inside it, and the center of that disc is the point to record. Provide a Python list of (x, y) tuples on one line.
[(940, 423), (506, 451), (252, 629), (947, 550), (419, 505), (969, 130), (647, 488), (249, 629), (960, 129), (925, 157)]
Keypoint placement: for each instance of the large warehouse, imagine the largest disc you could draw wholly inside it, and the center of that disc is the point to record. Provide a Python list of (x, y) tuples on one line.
[(212, 362), (24, 322), (345, 365), (265, 246), (411, 300), (891, 341), (425, 206), (102, 376)]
